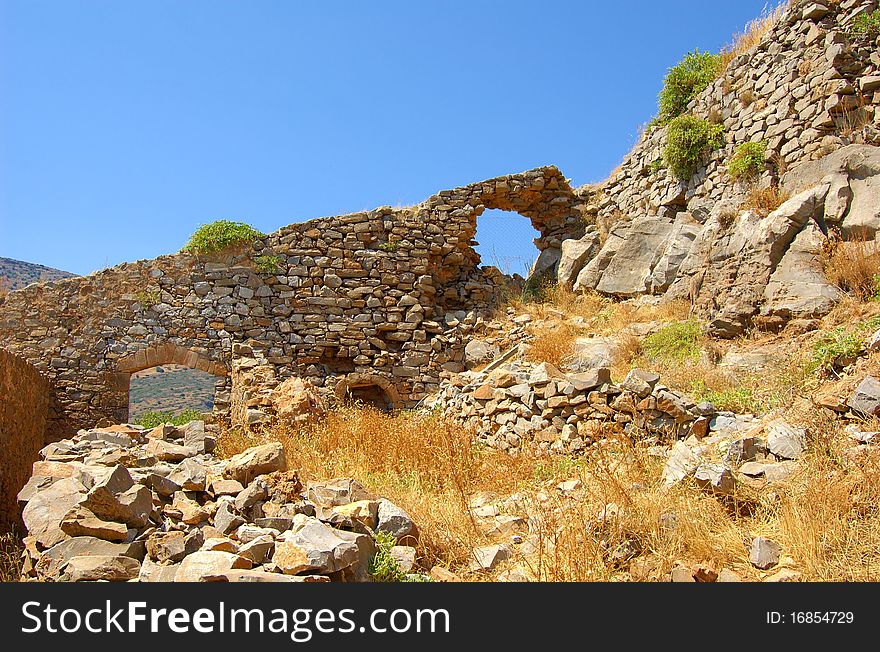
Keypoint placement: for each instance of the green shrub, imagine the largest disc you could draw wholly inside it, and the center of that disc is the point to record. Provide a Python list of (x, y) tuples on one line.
[(655, 166), (267, 264), (688, 140), (149, 297), (866, 24), (685, 81), (384, 567), (675, 342), (152, 419), (219, 236), (390, 246), (748, 161), (836, 349)]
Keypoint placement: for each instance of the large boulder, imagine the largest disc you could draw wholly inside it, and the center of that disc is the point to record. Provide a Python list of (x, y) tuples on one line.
[(591, 274), (798, 287), (575, 254), (44, 513), (310, 546), (629, 272), (255, 461)]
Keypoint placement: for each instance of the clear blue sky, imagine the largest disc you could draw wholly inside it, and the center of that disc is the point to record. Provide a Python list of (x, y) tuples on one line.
[(125, 125)]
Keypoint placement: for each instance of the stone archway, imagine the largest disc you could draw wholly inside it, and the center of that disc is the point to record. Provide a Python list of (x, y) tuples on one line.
[(158, 355), (370, 389)]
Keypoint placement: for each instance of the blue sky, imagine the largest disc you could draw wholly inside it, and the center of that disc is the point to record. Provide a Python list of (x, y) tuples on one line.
[(125, 125)]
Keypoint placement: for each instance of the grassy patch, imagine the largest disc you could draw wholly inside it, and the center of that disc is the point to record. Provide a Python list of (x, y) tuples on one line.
[(678, 341), (854, 267), (688, 140), (866, 24), (747, 161), (684, 81), (153, 419), (10, 557), (219, 236)]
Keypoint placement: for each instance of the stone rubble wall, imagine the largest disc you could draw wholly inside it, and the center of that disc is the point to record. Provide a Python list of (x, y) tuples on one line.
[(807, 89), (371, 295), (536, 406), (24, 410)]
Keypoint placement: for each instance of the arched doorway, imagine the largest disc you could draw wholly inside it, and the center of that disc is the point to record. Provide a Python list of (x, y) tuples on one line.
[(170, 380), (367, 389)]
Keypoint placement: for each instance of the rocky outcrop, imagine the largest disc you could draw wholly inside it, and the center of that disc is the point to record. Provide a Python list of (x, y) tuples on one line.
[(124, 503)]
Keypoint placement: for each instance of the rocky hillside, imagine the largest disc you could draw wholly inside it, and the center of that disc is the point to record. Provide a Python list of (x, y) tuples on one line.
[(16, 274), (731, 201)]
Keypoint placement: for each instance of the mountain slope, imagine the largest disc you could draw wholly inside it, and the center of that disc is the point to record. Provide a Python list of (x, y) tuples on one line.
[(16, 274)]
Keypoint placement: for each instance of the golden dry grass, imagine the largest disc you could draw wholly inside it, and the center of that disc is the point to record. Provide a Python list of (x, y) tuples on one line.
[(10, 557), (753, 34), (764, 200), (854, 266), (825, 517)]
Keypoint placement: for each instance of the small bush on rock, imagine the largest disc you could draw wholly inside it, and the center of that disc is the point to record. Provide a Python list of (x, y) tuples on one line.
[(764, 200), (688, 140), (219, 236), (748, 161), (267, 264), (685, 81)]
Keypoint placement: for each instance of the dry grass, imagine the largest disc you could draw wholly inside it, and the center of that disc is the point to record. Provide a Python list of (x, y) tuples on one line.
[(753, 34), (825, 517), (554, 345), (853, 266), (10, 557), (423, 463), (764, 200)]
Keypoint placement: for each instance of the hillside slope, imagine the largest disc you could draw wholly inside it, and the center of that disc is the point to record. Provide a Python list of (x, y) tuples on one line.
[(16, 274)]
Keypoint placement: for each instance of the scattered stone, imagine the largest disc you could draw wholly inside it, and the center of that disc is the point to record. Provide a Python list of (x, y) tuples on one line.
[(764, 553), (255, 461)]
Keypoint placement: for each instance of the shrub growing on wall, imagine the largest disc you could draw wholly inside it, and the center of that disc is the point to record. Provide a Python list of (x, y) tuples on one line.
[(220, 235), (685, 81), (747, 161), (688, 139)]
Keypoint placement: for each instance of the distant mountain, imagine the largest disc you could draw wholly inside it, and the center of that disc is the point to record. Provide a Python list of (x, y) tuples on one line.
[(16, 274)]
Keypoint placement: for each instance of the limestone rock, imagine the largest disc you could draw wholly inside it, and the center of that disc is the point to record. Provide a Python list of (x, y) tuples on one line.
[(312, 546), (575, 253), (865, 400), (764, 553), (108, 568), (255, 461), (296, 401), (204, 565), (337, 492)]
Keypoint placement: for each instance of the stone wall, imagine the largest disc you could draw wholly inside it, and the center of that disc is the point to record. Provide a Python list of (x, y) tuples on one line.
[(807, 89), (23, 413), (378, 295), (810, 91)]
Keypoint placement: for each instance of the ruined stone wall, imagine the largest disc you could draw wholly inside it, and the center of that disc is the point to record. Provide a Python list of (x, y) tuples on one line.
[(365, 295), (24, 407), (809, 88)]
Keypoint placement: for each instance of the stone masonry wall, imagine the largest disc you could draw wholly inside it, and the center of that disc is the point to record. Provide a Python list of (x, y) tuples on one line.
[(365, 296), (807, 89), (23, 413)]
